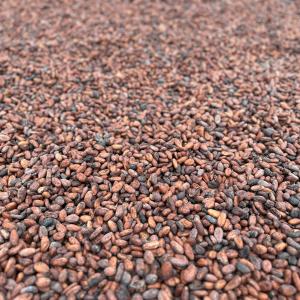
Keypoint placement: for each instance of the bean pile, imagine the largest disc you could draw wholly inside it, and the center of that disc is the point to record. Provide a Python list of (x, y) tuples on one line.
[(149, 150)]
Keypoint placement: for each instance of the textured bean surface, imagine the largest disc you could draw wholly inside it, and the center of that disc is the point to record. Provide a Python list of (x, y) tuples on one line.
[(149, 150)]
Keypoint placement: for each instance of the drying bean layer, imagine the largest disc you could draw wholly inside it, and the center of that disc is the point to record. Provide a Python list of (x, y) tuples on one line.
[(149, 150)]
